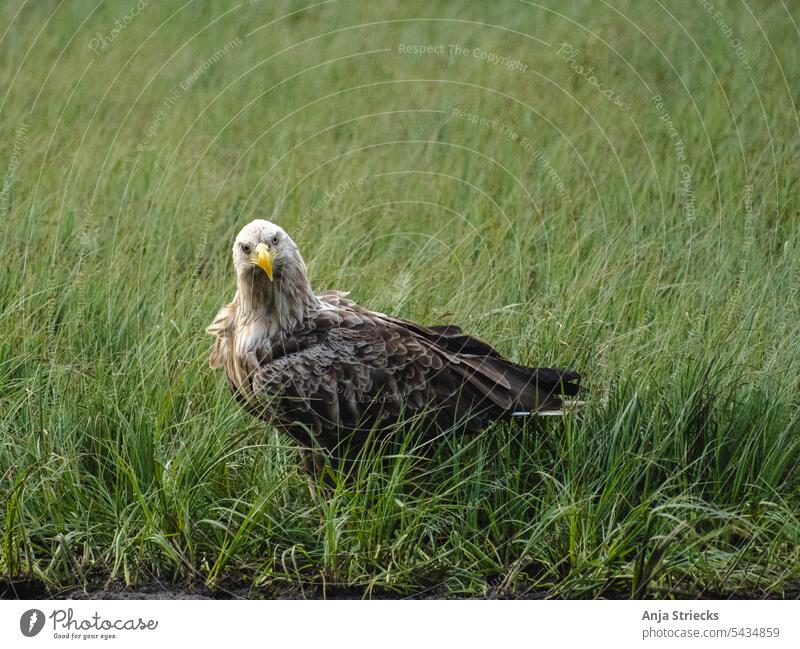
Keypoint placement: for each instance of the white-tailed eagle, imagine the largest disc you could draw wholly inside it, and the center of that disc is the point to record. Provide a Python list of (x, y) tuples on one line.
[(330, 373)]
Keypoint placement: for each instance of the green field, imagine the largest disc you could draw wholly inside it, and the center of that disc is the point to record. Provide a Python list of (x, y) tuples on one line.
[(607, 186)]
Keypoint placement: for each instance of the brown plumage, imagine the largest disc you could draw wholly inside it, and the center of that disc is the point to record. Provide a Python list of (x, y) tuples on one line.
[(329, 372)]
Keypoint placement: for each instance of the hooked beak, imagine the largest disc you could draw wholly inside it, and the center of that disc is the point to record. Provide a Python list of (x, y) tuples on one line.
[(263, 258)]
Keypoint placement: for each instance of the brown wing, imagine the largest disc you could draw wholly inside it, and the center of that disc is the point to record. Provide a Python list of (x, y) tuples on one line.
[(531, 388), (351, 369), (347, 372)]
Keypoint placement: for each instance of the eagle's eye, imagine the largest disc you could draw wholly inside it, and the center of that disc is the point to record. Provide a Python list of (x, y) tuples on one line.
[(275, 240), (246, 249)]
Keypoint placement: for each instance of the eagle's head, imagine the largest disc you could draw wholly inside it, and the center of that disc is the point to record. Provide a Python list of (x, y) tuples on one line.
[(270, 272), (264, 253)]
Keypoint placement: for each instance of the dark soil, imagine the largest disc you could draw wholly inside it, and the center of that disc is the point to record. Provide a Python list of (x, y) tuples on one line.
[(238, 589), (230, 589), (224, 590)]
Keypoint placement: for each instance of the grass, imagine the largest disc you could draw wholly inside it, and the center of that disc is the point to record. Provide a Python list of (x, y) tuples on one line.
[(654, 246)]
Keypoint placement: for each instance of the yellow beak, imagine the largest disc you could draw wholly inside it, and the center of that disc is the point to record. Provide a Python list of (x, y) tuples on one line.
[(263, 257)]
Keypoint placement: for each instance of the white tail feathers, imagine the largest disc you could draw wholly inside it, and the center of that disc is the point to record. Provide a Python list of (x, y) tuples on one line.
[(567, 406), (540, 413)]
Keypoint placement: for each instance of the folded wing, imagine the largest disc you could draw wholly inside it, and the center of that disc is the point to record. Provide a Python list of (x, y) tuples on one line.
[(350, 369)]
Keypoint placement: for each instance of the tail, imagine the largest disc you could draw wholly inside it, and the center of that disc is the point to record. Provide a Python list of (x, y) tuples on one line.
[(512, 389), (523, 391), (551, 385)]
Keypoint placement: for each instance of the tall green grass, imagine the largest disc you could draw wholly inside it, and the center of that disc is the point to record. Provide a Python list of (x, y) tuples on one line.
[(664, 265)]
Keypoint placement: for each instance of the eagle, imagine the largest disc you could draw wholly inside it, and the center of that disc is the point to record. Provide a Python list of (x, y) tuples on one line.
[(333, 374)]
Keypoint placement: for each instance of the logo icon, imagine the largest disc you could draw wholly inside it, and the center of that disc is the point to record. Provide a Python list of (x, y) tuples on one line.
[(31, 622)]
